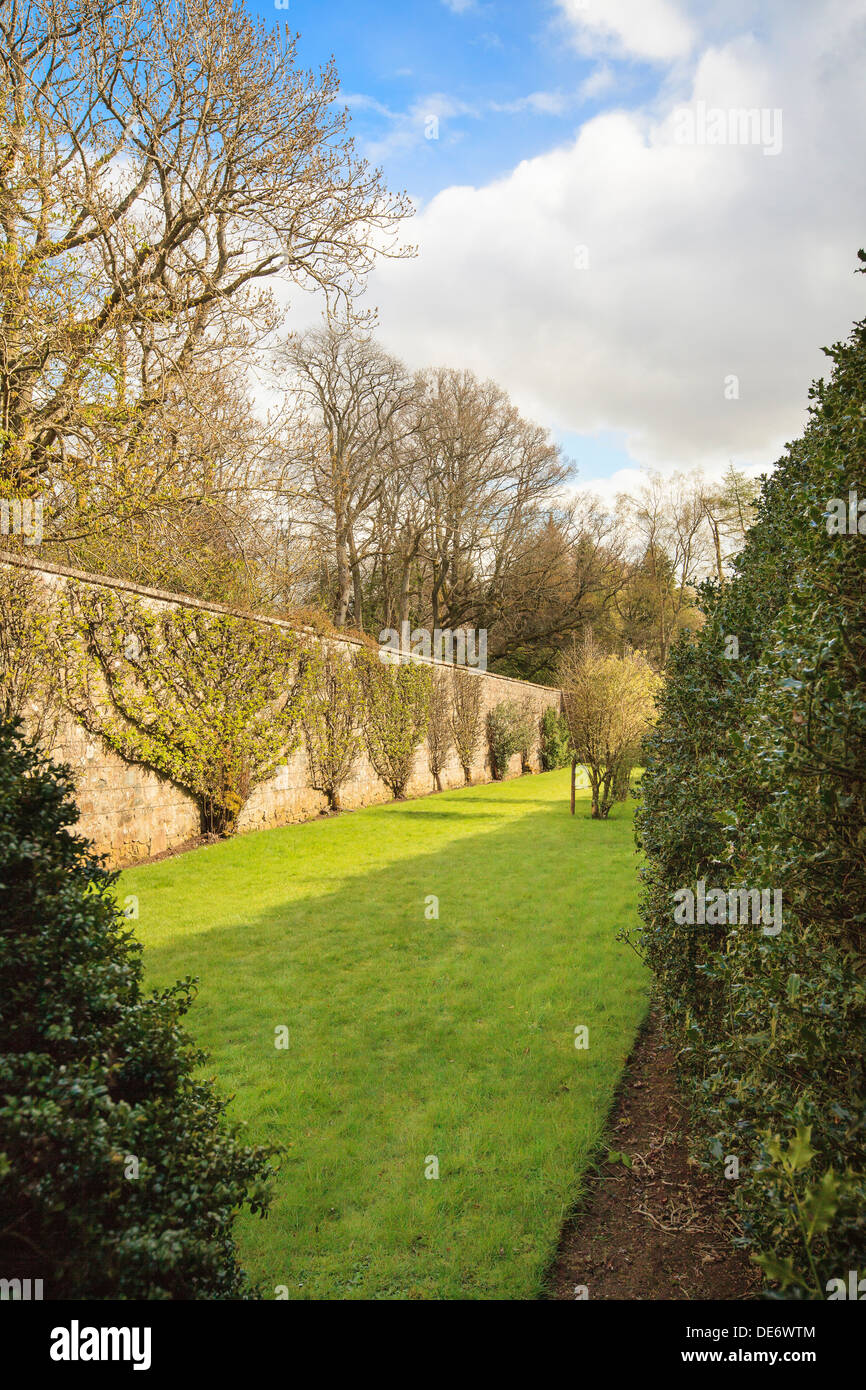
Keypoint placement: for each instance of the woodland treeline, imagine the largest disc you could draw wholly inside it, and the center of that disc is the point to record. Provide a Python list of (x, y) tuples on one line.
[(164, 186)]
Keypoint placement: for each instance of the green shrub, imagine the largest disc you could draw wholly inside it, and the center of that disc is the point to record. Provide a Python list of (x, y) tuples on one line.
[(119, 1178), (504, 735), (756, 778), (555, 745)]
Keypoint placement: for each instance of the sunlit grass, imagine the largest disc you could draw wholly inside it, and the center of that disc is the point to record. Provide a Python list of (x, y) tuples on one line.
[(411, 1037)]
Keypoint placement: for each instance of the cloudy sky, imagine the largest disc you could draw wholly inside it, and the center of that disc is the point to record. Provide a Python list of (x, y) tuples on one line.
[(647, 273)]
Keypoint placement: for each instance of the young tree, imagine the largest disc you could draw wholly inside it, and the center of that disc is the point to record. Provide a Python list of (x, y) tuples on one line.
[(207, 700), (609, 704), (119, 1178), (330, 720), (396, 715), (466, 718), (439, 730)]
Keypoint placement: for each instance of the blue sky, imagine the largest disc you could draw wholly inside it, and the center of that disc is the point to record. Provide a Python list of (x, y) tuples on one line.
[(500, 75), (557, 124)]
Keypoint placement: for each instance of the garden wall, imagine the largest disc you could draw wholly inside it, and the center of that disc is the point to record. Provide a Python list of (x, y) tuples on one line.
[(131, 814)]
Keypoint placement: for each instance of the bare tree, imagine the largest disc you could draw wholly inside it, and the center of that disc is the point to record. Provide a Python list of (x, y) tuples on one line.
[(162, 161), (357, 398), (487, 473)]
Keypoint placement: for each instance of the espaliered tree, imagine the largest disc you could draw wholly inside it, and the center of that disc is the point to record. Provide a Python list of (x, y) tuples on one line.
[(527, 734), (439, 735), (396, 715), (331, 717), (756, 779), (554, 750), (119, 1176), (466, 723), (209, 701)]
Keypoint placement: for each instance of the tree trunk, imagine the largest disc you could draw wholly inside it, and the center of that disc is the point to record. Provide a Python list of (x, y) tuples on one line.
[(344, 581), (357, 590)]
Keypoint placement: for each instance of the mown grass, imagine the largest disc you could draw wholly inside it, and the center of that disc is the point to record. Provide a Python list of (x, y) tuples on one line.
[(411, 1037)]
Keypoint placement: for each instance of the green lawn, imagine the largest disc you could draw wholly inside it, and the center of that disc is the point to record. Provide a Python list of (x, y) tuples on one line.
[(411, 1038)]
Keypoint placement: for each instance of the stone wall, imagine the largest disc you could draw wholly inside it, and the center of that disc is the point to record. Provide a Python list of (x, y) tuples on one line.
[(131, 814)]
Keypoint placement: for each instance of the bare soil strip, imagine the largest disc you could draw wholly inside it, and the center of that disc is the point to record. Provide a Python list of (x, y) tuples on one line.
[(659, 1228)]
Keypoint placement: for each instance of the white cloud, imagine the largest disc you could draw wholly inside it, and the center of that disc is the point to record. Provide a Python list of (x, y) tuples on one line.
[(600, 81), (704, 263), (423, 121), (542, 103), (651, 29)]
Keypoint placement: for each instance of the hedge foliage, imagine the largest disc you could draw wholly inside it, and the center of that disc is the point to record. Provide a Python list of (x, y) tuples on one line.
[(756, 778), (119, 1176)]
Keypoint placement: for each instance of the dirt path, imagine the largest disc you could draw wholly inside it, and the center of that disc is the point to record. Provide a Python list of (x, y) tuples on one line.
[(659, 1229)]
